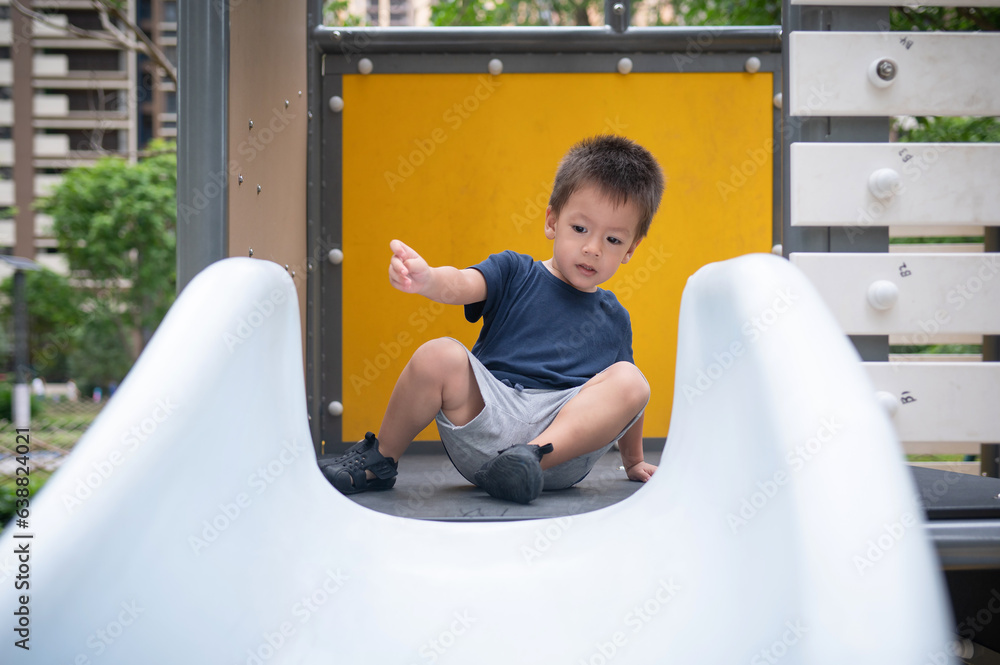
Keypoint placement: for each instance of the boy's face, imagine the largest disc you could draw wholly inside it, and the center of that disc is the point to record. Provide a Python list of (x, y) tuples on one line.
[(592, 238)]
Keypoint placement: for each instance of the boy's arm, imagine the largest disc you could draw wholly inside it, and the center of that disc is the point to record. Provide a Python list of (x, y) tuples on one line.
[(409, 273), (630, 446)]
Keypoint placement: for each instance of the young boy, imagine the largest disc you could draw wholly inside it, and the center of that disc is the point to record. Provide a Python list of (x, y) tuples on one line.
[(550, 384)]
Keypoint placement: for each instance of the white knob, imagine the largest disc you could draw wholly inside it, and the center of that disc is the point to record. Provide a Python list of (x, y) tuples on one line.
[(882, 72), (336, 104), (778, 250), (335, 256), (777, 101), (335, 408), (365, 66), (625, 65), (495, 66), (884, 183), (883, 294), (888, 401), (752, 65)]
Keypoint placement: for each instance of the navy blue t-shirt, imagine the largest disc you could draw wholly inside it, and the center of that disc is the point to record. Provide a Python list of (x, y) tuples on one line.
[(540, 332)]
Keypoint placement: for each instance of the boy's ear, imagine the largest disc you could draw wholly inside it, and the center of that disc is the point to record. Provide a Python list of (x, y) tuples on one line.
[(631, 250), (550, 223)]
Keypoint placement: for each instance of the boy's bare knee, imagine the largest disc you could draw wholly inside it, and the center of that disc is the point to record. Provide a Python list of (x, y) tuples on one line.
[(440, 355), (629, 383)]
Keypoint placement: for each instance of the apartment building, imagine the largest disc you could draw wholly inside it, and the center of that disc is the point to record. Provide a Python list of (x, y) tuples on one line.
[(91, 96)]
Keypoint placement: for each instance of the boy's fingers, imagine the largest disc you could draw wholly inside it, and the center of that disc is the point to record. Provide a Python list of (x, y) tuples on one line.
[(396, 264), (402, 250)]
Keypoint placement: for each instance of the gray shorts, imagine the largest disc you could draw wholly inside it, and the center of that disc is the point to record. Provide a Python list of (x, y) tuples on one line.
[(511, 417)]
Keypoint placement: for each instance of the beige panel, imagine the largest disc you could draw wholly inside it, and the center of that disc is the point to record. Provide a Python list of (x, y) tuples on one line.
[(267, 68)]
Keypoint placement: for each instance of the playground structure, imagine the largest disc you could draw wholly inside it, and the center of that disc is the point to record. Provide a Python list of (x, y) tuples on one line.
[(154, 555), (314, 160)]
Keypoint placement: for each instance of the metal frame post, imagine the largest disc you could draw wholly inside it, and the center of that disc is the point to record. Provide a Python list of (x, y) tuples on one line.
[(202, 131), (824, 129)]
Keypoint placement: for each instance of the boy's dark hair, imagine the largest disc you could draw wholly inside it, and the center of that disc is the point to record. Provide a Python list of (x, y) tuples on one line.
[(621, 169)]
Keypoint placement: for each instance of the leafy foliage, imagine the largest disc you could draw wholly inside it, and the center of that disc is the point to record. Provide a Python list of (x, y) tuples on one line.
[(514, 12), (944, 18), (53, 313), (727, 12), (116, 221)]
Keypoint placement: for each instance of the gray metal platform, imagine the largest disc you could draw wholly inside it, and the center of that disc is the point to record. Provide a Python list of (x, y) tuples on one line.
[(429, 487)]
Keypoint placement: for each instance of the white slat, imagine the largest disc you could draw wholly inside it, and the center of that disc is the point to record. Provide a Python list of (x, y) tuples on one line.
[(938, 248), (935, 357), (936, 73), (903, 231), (940, 448), (942, 401), (905, 340), (936, 293), (936, 184)]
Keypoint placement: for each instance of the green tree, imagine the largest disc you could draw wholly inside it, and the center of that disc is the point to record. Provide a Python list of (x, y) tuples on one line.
[(116, 222), (53, 314)]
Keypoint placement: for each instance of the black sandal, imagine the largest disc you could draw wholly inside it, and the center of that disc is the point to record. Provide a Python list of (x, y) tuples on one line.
[(515, 474), (347, 472)]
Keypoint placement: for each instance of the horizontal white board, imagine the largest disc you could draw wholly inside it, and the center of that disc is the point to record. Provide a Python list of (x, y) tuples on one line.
[(935, 73), (936, 294), (942, 401), (882, 184)]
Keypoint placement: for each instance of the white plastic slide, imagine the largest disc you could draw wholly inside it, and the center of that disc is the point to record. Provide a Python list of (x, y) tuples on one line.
[(192, 525)]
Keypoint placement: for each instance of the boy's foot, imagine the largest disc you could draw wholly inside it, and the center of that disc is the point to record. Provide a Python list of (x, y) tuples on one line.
[(349, 472), (515, 474)]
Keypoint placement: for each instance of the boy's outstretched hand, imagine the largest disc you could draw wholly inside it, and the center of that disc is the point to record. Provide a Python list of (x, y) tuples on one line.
[(640, 472), (408, 271)]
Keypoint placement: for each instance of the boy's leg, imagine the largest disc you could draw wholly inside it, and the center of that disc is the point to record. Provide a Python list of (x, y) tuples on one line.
[(596, 414), (438, 377)]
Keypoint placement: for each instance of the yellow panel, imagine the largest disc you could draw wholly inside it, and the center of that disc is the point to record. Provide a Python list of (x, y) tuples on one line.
[(460, 166)]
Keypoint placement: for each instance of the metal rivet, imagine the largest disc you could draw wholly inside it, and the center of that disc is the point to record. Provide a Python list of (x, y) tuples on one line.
[(258, 189), (618, 8), (310, 115), (241, 179), (886, 70), (335, 408), (625, 65), (336, 35), (286, 103), (335, 256), (336, 104), (293, 274), (495, 66), (752, 65), (286, 267), (300, 93), (777, 101), (251, 252), (882, 72), (365, 66), (251, 124)]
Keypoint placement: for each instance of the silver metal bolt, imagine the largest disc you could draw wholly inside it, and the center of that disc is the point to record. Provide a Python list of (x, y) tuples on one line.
[(286, 103), (251, 124), (300, 93), (618, 8), (258, 189), (293, 274), (251, 252), (286, 267), (886, 70), (241, 179), (310, 115), (336, 35)]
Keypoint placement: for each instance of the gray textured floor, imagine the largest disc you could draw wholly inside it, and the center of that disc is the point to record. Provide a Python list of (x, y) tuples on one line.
[(429, 487)]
